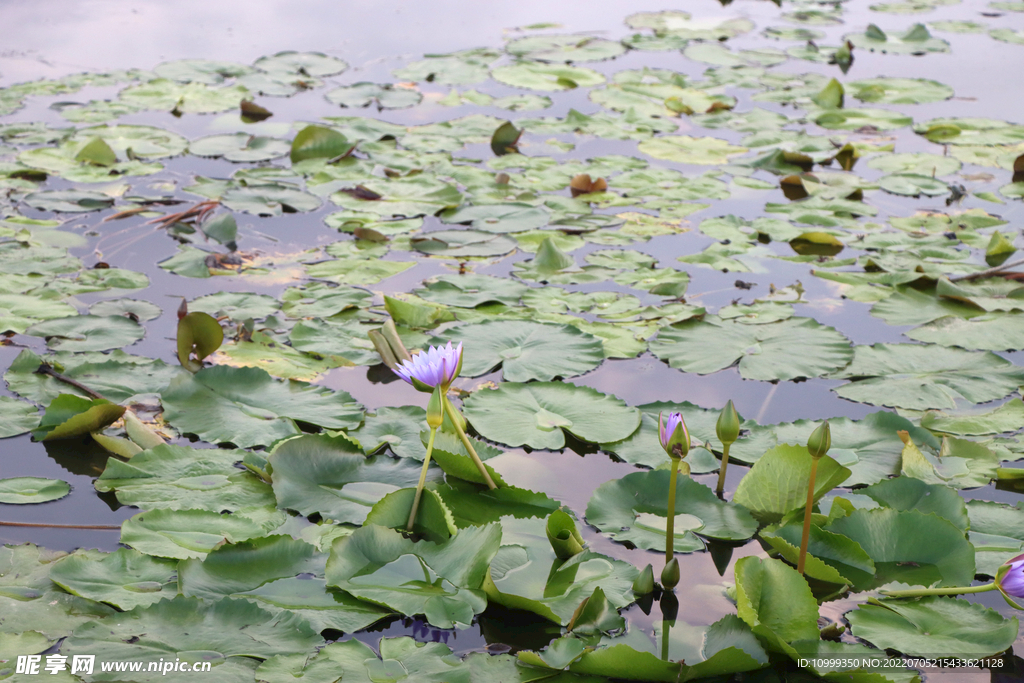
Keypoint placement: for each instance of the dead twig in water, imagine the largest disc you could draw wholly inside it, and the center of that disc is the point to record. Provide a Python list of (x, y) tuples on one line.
[(43, 525), (986, 273), (198, 212), (47, 369)]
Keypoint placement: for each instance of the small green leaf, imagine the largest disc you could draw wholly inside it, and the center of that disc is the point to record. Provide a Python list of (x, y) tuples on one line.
[(318, 142), (69, 416), (199, 334), (24, 490)]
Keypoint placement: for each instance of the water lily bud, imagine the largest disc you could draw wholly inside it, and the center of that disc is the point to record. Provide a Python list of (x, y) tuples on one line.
[(1010, 580), (675, 438), (728, 425), (435, 409), (820, 441), (670, 574), (644, 582)]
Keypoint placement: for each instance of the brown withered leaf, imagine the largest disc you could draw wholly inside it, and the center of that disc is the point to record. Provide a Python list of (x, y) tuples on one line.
[(361, 192), (582, 184), (252, 112)]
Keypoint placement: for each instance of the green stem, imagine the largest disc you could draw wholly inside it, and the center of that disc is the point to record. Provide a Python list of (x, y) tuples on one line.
[(954, 590), (807, 517), (670, 525), (721, 471), (450, 409), (664, 639), (423, 479)]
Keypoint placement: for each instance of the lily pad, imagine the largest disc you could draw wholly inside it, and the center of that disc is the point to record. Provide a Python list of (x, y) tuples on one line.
[(331, 476), (923, 377), (546, 77), (899, 90), (956, 628), (989, 332), (25, 490), (535, 414), (182, 534), (16, 417), (565, 48), (525, 350), (914, 41), (247, 407), (314, 64), (689, 150), (240, 147), (774, 351), (124, 578), (384, 96), (777, 483), (633, 510), (441, 581)]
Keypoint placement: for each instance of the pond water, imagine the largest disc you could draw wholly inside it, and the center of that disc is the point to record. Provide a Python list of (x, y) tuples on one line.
[(852, 255)]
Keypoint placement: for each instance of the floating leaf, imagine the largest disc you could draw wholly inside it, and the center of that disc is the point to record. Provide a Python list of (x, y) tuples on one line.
[(124, 578), (239, 147), (384, 96), (777, 483), (182, 534), (331, 476), (16, 417), (247, 407), (633, 510), (318, 142), (923, 377), (525, 350), (534, 414), (688, 150), (25, 490), (547, 77), (785, 350)]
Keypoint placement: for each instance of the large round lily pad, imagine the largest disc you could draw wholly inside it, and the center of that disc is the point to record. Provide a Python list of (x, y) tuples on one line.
[(783, 350), (525, 350), (535, 414)]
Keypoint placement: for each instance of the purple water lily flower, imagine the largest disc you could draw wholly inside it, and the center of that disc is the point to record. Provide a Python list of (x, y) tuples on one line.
[(1012, 581), (674, 435), (437, 366)]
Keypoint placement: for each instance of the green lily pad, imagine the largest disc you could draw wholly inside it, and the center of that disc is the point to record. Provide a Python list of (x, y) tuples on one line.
[(219, 631), (414, 196), (914, 41), (463, 244), (247, 407), (342, 343), (282, 575), (457, 68), (471, 290), (971, 131), (1008, 417), (240, 147), (314, 64), (88, 332), (16, 417), (913, 185), (331, 476), (777, 483), (535, 414), (526, 574), (500, 218), (855, 119), (899, 90), (775, 602), (364, 94), (182, 534), (956, 628), (182, 478), (917, 163), (124, 578), (565, 48), (269, 199), (910, 546), (441, 581), (989, 332), (524, 350), (633, 509), (681, 24), (546, 77), (68, 201), (25, 490), (689, 150), (923, 377), (774, 351), (1008, 35)]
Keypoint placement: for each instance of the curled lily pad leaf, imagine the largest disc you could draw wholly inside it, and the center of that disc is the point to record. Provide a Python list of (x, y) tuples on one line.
[(633, 510), (331, 476), (24, 490), (441, 581), (774, 351), (247, 407), (535, 414), (775, 601), (525, 350), (526, 574), (777, 483), (318, 142), (69, 416)]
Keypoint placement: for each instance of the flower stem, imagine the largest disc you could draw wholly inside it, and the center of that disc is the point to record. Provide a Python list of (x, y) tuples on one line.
[(423, 479), (670, 524), (807, 517), (721, 471), (953, 590), (450, 409)]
